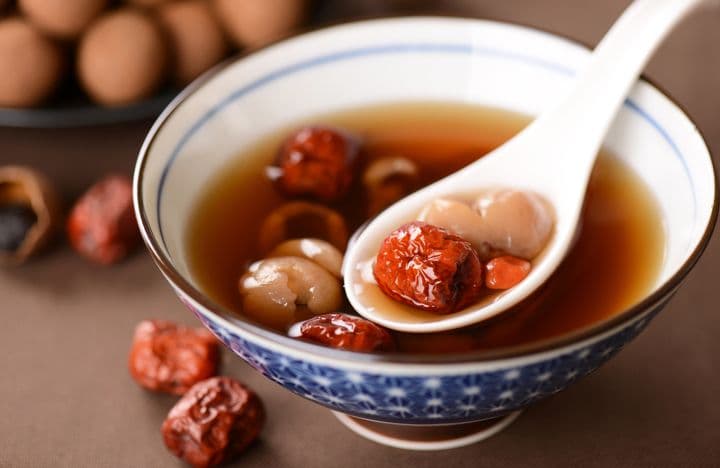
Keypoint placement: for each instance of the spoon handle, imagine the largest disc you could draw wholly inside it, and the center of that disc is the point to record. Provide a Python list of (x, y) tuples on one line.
[(585, 116)]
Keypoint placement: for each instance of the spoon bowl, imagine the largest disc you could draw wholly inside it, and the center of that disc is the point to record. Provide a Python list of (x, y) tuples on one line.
[(553, 158)]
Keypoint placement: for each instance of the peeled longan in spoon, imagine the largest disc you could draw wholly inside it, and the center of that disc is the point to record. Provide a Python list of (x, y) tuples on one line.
[(30, 64), (254, 23), (122, 57), (62, 18), (196, 38)]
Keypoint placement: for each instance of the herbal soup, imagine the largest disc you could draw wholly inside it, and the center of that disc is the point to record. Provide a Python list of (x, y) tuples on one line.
[(255, 223)]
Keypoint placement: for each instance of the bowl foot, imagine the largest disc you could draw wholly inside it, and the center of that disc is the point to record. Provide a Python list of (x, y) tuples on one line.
[(426, 437)]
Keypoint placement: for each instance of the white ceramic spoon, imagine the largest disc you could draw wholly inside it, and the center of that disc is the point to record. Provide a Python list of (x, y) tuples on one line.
[(552, 157)]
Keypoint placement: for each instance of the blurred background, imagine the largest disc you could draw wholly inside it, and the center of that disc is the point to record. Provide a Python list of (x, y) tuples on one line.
[(75, 106)]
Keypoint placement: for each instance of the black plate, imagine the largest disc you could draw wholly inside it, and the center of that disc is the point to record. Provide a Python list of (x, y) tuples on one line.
[(79, 111), (73, 109)]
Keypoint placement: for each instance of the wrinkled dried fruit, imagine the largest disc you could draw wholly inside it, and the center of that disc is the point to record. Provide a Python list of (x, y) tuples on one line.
[(215, 421), (171, 358), (102, 224), (427, 267), (15, 222), (316, 162), (347, 332), (506, 271)]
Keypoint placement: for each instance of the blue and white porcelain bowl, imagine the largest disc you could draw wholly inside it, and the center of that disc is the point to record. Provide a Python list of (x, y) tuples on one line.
[(411, 59)]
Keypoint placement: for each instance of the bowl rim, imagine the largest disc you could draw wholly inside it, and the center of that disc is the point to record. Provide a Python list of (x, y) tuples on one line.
[(165, 264)]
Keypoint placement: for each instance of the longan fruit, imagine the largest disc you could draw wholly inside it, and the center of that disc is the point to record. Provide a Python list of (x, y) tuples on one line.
[(31, 64), (195, 37), (254, 23), (62, 19), (122, 57)]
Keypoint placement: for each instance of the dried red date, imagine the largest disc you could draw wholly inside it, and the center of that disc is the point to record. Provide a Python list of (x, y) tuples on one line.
[(316, 162), (171, 358), (101, 225), (347, 332), (427, 267), (215, 421)]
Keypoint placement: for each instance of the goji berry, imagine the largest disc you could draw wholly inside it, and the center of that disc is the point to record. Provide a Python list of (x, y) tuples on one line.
[(506, 271)]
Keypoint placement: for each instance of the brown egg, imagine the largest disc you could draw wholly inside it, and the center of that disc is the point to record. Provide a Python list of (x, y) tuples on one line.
[(122, 57), (62, 18), (254, 23), (31, 64), (195, 37)]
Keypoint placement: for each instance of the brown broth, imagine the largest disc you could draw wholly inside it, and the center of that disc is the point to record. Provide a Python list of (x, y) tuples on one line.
[(613, 264)]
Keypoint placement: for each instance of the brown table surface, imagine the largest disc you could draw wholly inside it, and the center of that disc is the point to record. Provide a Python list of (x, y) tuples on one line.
[(66, 399)]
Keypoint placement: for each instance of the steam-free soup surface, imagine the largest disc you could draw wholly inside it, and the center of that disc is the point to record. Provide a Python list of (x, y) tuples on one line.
[(613, 264)]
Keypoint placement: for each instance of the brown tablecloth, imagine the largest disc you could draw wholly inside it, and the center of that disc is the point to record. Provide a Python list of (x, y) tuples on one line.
[(66, 399)]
